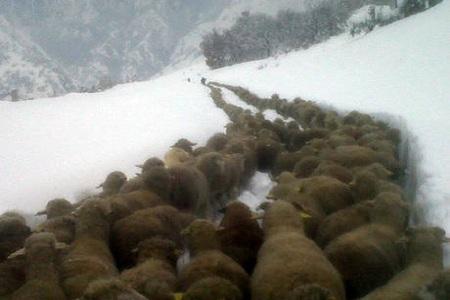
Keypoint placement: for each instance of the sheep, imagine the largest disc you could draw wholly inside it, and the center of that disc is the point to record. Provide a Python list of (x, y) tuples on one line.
[(207, 260), (62, 227), (436, 289), (157, 258), (366, 185), (42, 278), (243, 146), (343, 221), (337, 140), (217, 142), (300, 139), (288, 261), (184, 144), (351, 156), (267, 150), (286, 161), (110, 288), (377, 169), (305, 167), (123, 205), (240, 236), (57, 208), (13, 232), (331, 169), (89, 256), (213, 288), (132, 184), (157, 180), (151, 163), (189, 190), (112, 183), (162, 221), (330, 193), (12, 275), (372, 248), (212, 165), (424, 261), (175, 157)]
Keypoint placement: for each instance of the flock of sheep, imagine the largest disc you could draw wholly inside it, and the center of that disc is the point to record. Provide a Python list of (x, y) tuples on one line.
[(334, 227)]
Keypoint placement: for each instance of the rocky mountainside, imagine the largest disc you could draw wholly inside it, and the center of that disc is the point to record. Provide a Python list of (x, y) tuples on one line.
[(54, 47)]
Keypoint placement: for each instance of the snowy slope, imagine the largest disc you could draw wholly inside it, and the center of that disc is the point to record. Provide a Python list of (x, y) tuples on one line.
[(402, 69), (63, 147)]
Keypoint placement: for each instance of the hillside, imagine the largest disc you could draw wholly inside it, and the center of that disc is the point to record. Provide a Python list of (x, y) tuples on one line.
[(92, 41)]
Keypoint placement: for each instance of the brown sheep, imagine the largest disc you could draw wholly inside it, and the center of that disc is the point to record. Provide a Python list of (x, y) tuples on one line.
[(132, 185), (240, 236), (300, 139), (376, 169), (207, 260), (13, 232), (110, 288), (42, 278), (112, 183), (305, 167), (151, 163), (62, 227), (123, 205), (372, 248), (288, 260), (162, 221), (351, 156), (331, 169), (184, 144), (217, 142), (158, 181), (437, 289), (366, 185), (175, 157), (286, 161), (343, 221), (213, 288), (266, 152), (330, 193), (57, 208), (189, 190), (424, 258), (156, 267), (89, 256), (12, 275)]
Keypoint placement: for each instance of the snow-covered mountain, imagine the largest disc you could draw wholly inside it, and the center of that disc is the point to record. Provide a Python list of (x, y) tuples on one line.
[(25, 66), (106, 40)]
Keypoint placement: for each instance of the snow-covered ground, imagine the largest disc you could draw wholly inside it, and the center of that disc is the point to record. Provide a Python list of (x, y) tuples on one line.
[(400, 72), (64, 147)]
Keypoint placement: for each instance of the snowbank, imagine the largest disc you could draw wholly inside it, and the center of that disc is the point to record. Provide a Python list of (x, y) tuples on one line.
[(64, 147), (402, 70)]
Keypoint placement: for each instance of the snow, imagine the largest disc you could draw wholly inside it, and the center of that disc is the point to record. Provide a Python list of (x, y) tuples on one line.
[(64, 147), (399, 72)]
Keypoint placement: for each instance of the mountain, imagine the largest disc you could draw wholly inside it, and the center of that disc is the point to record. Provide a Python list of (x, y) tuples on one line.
[(73, 45), (26, 68)]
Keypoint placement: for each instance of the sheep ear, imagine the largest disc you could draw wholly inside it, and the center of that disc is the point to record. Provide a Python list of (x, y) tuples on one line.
[(41, 213), (61, 246), (304, 215), (18, 254), (178, 296)]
